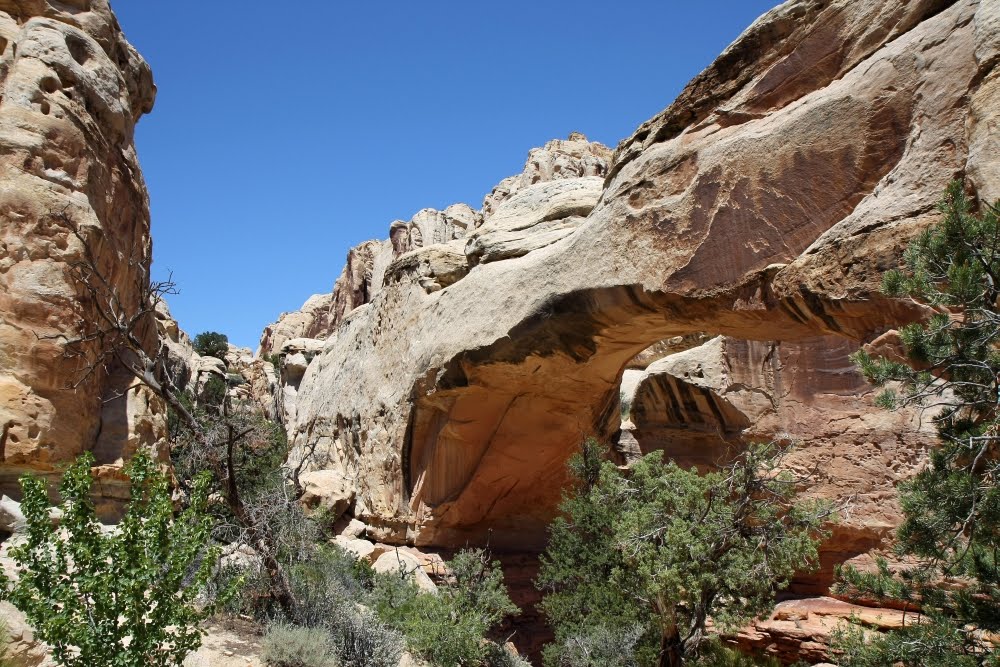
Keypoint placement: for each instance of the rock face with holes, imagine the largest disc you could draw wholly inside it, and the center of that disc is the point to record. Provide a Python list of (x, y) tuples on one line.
[(71, 91), (762, 205)]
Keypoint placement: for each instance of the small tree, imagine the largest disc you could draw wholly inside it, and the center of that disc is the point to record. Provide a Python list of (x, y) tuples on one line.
[(124, 598), (662, 549), (951, 509), (211, 344)]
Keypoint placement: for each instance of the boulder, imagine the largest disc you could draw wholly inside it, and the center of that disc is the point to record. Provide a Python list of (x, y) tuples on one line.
[(11, 518), (401, 562), (327, 491), (361, 549)]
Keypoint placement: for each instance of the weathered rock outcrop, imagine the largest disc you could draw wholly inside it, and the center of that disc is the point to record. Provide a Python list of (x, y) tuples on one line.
[(71, 90), (436, 248), (763, 205)]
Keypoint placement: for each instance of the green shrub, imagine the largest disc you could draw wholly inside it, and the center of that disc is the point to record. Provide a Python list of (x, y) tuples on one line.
[(211, 344), (448, 628), (235, 379), (665, 548), (214, 392), (290, 646), (85, 591)]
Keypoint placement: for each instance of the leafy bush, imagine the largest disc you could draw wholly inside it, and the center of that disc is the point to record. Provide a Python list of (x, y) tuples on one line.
[(290, 646), (448, 628), (84, 591), (211, 344)]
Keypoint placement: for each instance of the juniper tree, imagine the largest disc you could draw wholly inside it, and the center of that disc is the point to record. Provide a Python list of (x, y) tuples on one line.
[(649, 554), (951, 526)]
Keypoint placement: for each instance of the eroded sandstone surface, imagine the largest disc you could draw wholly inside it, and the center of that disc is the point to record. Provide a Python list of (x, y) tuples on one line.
[(763, 205), (71, 91)]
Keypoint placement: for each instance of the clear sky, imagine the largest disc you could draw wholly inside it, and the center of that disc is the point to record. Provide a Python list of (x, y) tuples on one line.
[(285, 133)]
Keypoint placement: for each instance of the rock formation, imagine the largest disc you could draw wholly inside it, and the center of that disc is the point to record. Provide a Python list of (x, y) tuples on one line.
[(71, 91), (444, 234), (762, 205)]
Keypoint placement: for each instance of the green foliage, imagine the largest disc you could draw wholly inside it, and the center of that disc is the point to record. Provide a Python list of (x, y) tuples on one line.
[(938, 643), (661, 548), (447, 629), (214, 392), (952, 508), (211, 344), (122, 599)]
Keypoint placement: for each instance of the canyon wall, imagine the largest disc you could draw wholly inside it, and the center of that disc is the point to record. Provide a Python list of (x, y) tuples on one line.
[(460, 362), (71, 91)]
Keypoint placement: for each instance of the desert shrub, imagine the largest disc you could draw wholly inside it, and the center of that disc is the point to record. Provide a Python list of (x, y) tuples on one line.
[(601, 646), (362, 640), (291, 646), (325, 582), (211, 344), (448, 628), (235, 379)]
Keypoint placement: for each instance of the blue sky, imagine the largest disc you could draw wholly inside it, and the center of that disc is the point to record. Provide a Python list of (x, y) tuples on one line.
[(284, 135)]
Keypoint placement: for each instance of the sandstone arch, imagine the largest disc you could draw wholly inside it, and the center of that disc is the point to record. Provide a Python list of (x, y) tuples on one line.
[(455, 408)]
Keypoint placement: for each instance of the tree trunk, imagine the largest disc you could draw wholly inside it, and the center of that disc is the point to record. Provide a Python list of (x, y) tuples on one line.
[(671, 650)]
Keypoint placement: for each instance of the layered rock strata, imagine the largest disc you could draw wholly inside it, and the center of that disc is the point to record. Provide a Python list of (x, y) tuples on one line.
[(71, 91)]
